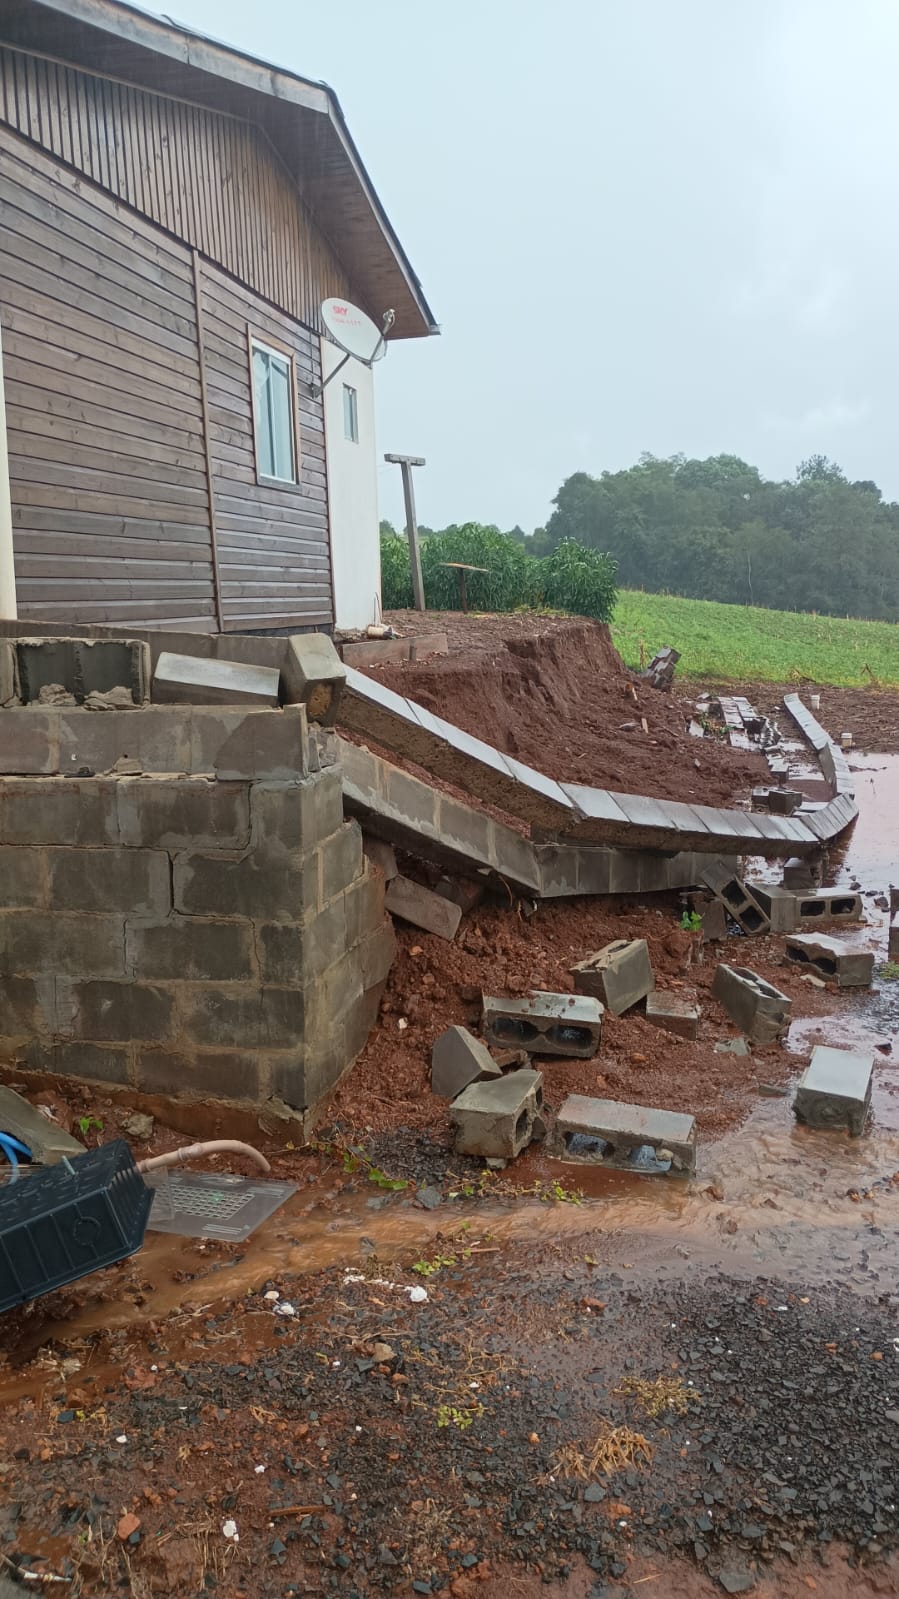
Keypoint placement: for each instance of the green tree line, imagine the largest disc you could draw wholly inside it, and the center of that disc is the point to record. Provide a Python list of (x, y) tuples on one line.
[(717, 530)]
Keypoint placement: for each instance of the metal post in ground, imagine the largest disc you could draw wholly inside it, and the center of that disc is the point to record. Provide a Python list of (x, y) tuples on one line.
[(406, 463)]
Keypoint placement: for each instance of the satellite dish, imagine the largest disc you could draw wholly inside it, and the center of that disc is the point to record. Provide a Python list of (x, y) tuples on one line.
[(355, 332)]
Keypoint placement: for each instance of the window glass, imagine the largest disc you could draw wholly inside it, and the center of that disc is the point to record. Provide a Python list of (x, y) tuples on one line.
[(350, 414), (273, 394)]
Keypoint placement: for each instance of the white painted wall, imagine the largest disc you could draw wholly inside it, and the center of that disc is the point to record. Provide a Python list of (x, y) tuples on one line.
[(352, 494)]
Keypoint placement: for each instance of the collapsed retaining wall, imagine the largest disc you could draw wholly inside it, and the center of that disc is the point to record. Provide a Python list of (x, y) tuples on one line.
[(183, 908)]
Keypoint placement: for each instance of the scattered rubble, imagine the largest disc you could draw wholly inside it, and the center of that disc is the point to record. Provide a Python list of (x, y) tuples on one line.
[(608, 1132), (457, 1059), (496, 1119), (759, 1009), (674, 1013), (737, 897), (619, 974), (545, 1024), (414, 903), (828, 958)]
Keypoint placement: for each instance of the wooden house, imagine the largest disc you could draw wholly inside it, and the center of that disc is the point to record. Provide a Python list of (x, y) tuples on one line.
[(172, 214)]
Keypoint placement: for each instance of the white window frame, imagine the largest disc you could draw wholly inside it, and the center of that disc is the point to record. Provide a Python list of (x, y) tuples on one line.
[(350, 413), (284, 356)]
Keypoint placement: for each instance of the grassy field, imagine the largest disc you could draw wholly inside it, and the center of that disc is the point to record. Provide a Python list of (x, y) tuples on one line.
[(737, 641)]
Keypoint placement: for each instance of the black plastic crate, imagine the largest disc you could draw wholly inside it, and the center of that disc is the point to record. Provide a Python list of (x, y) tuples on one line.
[(62, 1222)]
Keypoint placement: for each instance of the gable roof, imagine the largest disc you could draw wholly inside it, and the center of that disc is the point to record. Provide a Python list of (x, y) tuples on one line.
[(303, 120)]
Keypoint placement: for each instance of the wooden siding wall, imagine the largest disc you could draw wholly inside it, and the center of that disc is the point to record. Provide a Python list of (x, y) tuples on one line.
[(273, 550), (107, 465), (209, 180)]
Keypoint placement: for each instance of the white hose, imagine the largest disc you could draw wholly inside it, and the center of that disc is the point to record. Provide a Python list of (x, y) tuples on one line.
[(217, 1146)]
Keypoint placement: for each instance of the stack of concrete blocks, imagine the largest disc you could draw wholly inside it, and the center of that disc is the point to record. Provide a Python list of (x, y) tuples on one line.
[(619, 974), (605, 1132), (787, 909), (564, 1025), (759, 1009), (828, 958), (834, 1091), (205, 928), (497, 1120)]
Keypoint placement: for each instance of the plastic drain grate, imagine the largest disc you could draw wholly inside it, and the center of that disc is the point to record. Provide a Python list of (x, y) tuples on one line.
[(207, 1205)]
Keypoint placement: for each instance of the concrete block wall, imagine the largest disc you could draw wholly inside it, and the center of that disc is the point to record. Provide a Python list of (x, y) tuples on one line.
[(205, 926)]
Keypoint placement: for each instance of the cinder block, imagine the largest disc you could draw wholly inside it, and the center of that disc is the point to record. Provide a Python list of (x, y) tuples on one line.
[(23, 876), (759, 1009), (834, 1091), (267, 890), (602, 1131), (411, 902), (29, 745), (779, 801), (242, 1016), (545, 1024), (100, 1063), (780, 905), (183, 813), (495, 1120), (123, 1011), (290, 817), (229, 743), (191, 949), (830, 905), (229, 1074), (804, 875), (849, 968), (83, 666), (340, 861), (32, 942), (737, 898), (137, 881), (44, 810), (713, 915), (674, 1013), (314, 675), (376, 954), (457, 1059), (463, 891), (47, 1141), (186, 680), (424, 645), (381, 855), (894, 900), (620, 974), (376, 652)]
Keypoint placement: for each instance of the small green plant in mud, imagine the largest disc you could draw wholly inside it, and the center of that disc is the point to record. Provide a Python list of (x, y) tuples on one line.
[(488, 1185), (430, 1268), (451, 1416), (461, 1247), (889, 971), (691, 922), (89, 1124), (355, 1162)]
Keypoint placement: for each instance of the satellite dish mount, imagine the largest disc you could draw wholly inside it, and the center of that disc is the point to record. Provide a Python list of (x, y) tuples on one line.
[(355, 333)]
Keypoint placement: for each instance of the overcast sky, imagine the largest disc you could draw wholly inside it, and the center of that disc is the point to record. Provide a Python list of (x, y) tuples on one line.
[(641, 224)]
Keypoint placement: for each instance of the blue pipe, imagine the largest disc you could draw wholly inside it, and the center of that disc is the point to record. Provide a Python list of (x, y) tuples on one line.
[(12, 1149)]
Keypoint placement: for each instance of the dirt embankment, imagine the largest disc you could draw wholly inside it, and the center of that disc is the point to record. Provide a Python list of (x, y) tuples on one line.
[(553, 692)]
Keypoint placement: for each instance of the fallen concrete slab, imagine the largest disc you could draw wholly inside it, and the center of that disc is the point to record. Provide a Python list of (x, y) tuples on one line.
[(604, 1132), (828, 958), (414, 903), (495, 1120), (619, 974), (834, 1091), (190, 680), (759, 1009), (381, 855), (457, 1059), (545, 1024), (674, 1013)]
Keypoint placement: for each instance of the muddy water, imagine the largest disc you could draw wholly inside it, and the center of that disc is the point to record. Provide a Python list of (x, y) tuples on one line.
[(771, 1197)]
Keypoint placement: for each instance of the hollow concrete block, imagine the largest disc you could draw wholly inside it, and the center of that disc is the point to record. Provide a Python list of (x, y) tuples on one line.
[(714, 917), (829, 958), (412, 902), (674, 1013), (545, 1024), (737, 898), (759, 1009), (605, 1132), (496, 1119), (314, 674), (619, 974), (802, 875), (457, 1059), (834, 1091)]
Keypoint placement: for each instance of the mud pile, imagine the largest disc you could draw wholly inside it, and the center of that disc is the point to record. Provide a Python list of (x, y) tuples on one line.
[(554, 692)]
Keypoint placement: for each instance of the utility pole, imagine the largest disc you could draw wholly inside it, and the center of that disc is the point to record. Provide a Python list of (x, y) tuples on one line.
[(406, 463)]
